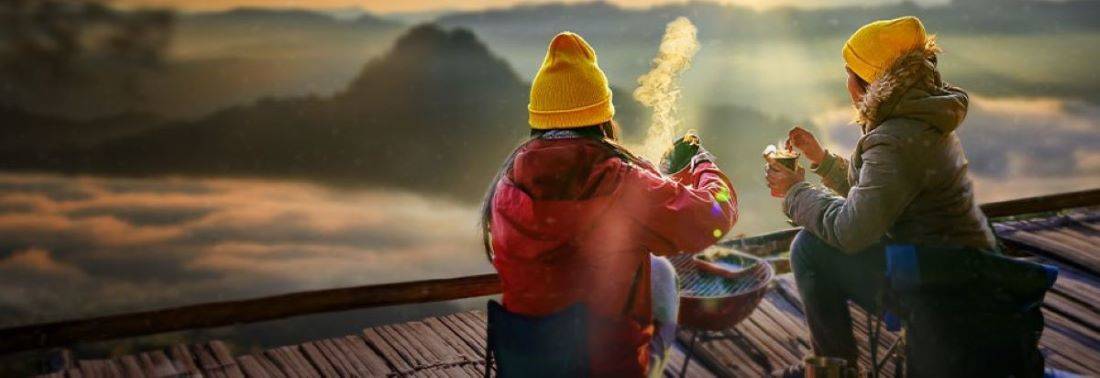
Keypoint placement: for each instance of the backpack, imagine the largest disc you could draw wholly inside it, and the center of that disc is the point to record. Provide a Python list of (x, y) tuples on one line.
[(969, 313)]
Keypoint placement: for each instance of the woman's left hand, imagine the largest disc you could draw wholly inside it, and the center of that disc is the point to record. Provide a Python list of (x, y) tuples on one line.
[(684, 152), (780, 178)]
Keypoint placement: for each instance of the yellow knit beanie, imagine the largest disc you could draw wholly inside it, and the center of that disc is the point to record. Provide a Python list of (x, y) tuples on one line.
[(874, 47), (569, 90)]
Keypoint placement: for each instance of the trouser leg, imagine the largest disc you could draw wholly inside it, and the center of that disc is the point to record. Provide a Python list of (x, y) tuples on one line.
[(666, 305), (827, 279)]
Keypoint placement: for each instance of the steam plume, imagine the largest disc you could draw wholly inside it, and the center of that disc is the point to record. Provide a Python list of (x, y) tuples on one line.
[(659, 89)]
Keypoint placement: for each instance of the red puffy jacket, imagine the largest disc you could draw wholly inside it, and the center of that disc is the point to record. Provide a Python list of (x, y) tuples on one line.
[(572, 222)]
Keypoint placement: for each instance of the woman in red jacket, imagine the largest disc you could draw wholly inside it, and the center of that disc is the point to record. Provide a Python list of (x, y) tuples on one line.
[(572, 216)]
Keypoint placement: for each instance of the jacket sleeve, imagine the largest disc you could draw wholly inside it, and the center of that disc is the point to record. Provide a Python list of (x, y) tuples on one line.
[(687, 212), (834, 173), (884, 189)]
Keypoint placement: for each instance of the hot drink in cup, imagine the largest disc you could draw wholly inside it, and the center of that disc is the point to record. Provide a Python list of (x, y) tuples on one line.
[(785, 157)]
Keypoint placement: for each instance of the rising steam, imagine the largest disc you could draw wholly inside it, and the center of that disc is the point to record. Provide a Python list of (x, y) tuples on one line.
[(659, 89)]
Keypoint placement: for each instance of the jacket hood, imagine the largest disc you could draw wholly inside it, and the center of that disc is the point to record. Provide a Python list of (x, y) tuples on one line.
[(912, 88), (556, 190)]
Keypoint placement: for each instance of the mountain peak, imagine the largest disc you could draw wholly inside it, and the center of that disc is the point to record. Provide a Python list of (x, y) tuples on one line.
[(431, 59), (429, 36)]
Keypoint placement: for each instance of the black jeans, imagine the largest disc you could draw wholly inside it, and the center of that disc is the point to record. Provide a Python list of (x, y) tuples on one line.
[(827, 279)]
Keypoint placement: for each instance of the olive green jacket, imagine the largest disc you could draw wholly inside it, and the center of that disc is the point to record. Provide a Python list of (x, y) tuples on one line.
[(907, 179)]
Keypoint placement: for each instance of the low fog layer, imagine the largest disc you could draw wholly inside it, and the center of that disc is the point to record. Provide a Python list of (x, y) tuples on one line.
[(94, 246), (1031, 146)]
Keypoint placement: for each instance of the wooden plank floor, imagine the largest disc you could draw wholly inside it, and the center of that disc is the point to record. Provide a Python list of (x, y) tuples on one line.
[(1069, 241), (776, 335), (773, 337), (446, 346)]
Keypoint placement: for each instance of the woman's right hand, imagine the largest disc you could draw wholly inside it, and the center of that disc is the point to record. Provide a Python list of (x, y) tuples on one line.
[(802, 140)]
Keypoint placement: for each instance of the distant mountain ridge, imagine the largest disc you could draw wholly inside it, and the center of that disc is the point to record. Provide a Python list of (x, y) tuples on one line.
[(438, 102), (437, 113), (204, 62), (725, 21), (222, 58), (997, 47), (287, 17)]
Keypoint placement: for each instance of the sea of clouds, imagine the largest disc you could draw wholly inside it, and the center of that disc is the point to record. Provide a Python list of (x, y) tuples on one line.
[(79, 246), (1016, 147)]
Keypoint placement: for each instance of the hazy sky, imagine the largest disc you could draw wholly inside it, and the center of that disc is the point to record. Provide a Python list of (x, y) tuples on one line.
[(390, 6)]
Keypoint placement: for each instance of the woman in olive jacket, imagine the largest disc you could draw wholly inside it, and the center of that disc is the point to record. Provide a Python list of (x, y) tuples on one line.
[(906, 181)]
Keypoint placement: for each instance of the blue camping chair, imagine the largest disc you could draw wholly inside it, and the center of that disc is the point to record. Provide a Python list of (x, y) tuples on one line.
[(555, 345), (547, 346), (968, 312)]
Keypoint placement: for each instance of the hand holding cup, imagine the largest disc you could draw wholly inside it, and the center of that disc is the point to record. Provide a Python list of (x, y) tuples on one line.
[(781, 170), (684, 152)]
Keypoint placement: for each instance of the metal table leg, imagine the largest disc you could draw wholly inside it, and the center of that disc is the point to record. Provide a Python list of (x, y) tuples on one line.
[(690, 352)]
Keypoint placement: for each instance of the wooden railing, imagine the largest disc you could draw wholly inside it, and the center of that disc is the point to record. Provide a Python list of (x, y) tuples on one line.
[(1042, 204), (245, 311), (55, 334)]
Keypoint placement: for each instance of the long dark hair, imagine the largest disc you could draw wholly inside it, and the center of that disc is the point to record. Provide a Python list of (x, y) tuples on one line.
[(607, 133)]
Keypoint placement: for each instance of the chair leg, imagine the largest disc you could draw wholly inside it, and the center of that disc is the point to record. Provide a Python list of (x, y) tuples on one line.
[(489, 352), (886, 357), (874, 332), (489, 364), (895, 353)]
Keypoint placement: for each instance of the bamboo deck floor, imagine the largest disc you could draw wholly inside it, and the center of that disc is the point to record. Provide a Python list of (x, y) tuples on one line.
[(776, 336), (773, 337), (446, 346)]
